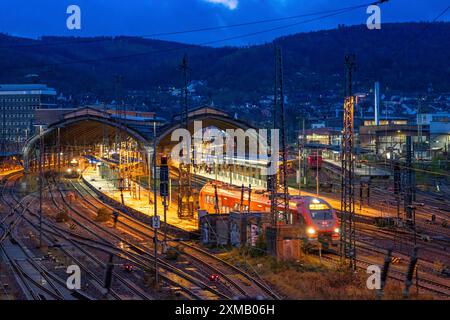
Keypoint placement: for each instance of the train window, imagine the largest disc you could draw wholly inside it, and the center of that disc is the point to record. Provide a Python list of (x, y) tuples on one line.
[(322, 214), (236, 206)]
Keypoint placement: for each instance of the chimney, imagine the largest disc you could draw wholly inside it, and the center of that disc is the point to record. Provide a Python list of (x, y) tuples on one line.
[(377, 103)]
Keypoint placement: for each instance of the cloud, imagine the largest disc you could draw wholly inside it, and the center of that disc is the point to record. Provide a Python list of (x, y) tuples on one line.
[(230, 4)]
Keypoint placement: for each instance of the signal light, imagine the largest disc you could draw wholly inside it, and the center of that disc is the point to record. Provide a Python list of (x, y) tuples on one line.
[(214, 277)]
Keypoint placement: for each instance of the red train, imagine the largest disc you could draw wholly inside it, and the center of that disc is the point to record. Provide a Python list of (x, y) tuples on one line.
[(315, 215), (315, 161)]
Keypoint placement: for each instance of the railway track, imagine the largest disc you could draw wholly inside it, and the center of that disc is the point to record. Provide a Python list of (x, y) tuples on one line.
[(375, 256), (243, 283), (35, 281), (141, 255), (424, 284), (55, 238)]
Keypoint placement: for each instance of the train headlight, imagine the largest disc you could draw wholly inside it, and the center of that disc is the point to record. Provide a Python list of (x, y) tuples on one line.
[(337, 230), (311, 230)]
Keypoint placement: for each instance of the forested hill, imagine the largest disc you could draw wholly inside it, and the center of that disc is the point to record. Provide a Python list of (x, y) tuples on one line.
[(404, 56)]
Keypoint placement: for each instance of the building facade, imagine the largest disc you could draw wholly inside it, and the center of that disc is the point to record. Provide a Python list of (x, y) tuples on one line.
[(439, 126), (389, 140), (18, 104)]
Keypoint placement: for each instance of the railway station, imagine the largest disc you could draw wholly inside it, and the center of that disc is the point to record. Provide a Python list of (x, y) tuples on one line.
[(117, 158), (266, 165)]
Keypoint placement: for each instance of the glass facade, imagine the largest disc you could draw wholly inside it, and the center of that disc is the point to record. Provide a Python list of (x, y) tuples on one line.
[(18, 104)]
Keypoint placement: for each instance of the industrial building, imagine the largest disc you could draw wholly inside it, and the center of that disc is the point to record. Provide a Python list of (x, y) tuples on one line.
[(439, 128)]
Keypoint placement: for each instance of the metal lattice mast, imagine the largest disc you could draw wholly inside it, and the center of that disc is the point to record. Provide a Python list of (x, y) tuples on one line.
[(278, 187), (185, 199), (272, 179), (3, 141), (347, 243), (408, 199), (118, 88)]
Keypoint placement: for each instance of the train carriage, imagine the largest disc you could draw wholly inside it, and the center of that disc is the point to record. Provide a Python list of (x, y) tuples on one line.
[(316, 217), (315, 161)]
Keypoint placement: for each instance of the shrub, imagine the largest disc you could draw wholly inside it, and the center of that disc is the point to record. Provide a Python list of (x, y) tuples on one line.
[(172, 254), (103, 215), (62, 216)]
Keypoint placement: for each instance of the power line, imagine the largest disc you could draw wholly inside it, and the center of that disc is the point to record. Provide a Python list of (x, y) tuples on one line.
[(414, 38), (202, 29), (188, 46)]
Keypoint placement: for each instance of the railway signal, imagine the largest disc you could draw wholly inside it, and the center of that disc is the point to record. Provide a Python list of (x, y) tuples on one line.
[(214, 277), (115, 218), (387, 263), (156, 223), (128, 267), (108, 274), (410, 273), (164, 177), (164, 192)]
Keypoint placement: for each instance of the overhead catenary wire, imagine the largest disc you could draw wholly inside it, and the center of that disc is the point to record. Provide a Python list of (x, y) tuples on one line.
[(188, 31), (188, 46)]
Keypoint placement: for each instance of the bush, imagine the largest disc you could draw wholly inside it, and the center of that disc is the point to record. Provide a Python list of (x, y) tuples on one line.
[(103, 215), (172, 254), (62, 216)]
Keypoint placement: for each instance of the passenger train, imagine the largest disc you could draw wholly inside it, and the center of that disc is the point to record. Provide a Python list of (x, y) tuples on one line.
[(315, 161), (316, 217)]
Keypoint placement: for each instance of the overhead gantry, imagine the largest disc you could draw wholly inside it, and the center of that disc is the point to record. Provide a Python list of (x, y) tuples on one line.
[(93, 130), (80, 131)]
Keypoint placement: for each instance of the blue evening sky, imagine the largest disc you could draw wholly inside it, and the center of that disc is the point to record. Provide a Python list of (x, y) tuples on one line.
[(34, 18)]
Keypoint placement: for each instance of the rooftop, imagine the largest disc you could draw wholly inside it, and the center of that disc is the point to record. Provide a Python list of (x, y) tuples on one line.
[(26, 89)]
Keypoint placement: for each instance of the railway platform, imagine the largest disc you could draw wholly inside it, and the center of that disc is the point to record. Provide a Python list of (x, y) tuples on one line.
[(143, 204)]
